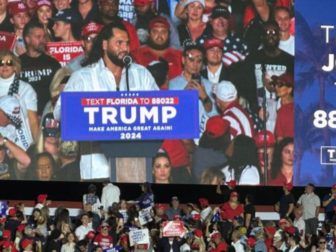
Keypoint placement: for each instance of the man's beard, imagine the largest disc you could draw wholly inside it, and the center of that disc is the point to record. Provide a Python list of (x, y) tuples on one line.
[(40, 48), (151, 44), (271, 45), (110, 16), (115, 60)]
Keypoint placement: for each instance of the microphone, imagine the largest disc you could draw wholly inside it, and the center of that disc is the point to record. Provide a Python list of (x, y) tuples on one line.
[(127, 60)]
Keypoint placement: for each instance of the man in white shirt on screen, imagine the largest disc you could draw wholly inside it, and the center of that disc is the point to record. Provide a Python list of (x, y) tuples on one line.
[(283, 18), (105, 70)]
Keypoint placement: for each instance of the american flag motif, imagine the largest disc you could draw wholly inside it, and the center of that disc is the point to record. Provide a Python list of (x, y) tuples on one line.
[(235, 50)]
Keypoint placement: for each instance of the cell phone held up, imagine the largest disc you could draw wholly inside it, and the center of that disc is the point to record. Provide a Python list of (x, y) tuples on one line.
[(196, 78)]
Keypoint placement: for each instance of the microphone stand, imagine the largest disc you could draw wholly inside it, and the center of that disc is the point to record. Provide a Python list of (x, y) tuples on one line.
[(127, 61), (127, 76), (264, 107), (265, 140)]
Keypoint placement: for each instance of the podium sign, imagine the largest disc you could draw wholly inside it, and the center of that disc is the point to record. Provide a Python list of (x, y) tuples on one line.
[(145, 115)]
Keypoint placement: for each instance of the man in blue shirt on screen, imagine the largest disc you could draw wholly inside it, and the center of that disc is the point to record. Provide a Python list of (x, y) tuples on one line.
[(190, 79)]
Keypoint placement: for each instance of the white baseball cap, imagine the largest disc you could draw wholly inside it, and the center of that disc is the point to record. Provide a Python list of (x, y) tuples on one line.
[(192, 1), (225, 91)]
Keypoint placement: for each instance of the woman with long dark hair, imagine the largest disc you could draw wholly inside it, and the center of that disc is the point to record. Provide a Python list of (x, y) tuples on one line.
[(161, 169), (243, 164), (283, 160)]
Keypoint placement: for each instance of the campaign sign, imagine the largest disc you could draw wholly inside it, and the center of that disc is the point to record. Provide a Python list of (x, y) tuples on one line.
[(139, 236), (315, 92), (145, 215), (3, 207), (64, 52), (173, 229), (145, 115), (7, 40)]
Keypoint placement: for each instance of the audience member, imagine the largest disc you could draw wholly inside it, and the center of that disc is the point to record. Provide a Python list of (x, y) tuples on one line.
[(310, 203), (43, 14), (283, 161), (45, 167), (190, 78), (19, 18), (282, 16), (243, 164), (38, 68), (10, 84), (158, 46), (329, 204), (5, 24), (63, 26)]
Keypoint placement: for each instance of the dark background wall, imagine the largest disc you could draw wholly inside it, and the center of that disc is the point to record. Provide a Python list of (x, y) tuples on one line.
[(73, 191)]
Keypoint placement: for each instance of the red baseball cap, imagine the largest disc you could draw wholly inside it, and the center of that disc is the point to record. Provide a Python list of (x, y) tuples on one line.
[(41, 3), (41, 198), (232, 183), (7, 244), (90, 28), (213, 42), (290, 230), (260, 136), (217, 126), (17, 7), (91, 235), (25, 243), (6, 234), (161, 206), (251, 242), (141, 2), (198, 233), (159, 21), (203, 202), (12, 211), (283, 221), (286, 78)]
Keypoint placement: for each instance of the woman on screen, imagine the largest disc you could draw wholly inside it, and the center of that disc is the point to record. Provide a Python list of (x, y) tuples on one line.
[(161, 169), (283, 160), (45, 167), (193, 29), (44, 14), (11, 85)]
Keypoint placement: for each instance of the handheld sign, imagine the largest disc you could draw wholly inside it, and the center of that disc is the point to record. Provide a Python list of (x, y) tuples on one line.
[(139, 236), (7, 40), (173, 229), (64, 52)]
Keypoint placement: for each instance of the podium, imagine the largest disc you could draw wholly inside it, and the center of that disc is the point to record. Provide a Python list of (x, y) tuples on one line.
[(131, 161)]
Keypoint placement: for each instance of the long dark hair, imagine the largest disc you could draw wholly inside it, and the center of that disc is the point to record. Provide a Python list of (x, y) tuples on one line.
[(277, 157), (106, 33), (245, 153)]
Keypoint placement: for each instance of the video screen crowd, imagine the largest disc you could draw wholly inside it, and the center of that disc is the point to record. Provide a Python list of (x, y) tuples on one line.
[(238, 56)]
